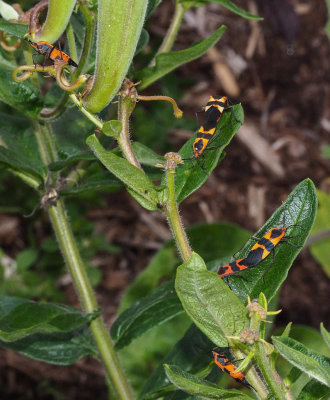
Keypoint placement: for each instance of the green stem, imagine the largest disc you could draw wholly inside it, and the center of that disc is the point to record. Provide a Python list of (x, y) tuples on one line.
[(89, 115), (125, 107), (171, 32), (267, 372), (47, 147), (174, 218), (71, 42), (28, 179), (68, 246)]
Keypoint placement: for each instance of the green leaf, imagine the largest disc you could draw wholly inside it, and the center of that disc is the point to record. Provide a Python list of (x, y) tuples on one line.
[(145, 353), (101, 181), (167, 62), (200, 387), (313, 364), (72, 158), (152, 5), (209, 302), (112, 128), (146, 156), (18, 30), (211, 241), (158, 307), (26, 259), (19, 151), (190, 176), (20, 318), (23, 96), (191, 353), (58, 349), (299, 210), (321, 248), (143, 41), (314, 390), (325, 334), (6, 62), (225, 3), (131, 176)]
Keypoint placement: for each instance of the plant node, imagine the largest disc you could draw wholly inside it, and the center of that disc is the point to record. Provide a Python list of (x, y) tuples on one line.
[(249, 336)]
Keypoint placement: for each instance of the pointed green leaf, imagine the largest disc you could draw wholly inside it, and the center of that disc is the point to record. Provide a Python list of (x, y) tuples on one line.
[(166, 62), (190, 176), (200, 387), (101, 181), (71, 159), (143, 41), (209, 302), (23, 96), (54, 348), (158, 307), (146, 156), (313, 364), (112, 128), (152, 5), (297, 213), (192, 353), (20, 163), (325, 334), (18, 30), (210, 241), (225, 3), (314, 390), (131, 176), (20, 318)]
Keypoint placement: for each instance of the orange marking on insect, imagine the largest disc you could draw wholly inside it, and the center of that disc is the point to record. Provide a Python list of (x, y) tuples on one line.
[(51, 52), (213, 111), (227, 366)]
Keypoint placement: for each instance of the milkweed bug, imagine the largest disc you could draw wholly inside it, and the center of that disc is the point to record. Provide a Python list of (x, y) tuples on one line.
[(232, 268), (51, 52), (258, 252), (214, 109), (227, 366)]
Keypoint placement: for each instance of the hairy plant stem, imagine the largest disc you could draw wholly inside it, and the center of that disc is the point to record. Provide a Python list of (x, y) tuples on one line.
[(267, 372), (171, 32), (125, 108), (174, 219), (274, 385), (69, 249), (28, 179), (71, 42), (89, 115)]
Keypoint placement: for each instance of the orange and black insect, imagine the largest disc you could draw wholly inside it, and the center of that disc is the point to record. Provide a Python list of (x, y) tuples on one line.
[(227, 366), (265, 246), (213, 111), (51, 52), (258, 252), (232, 268)]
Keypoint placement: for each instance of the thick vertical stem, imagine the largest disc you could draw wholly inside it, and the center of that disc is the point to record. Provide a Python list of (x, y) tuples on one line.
[(126, 104), (174, 218), (82, 284)]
